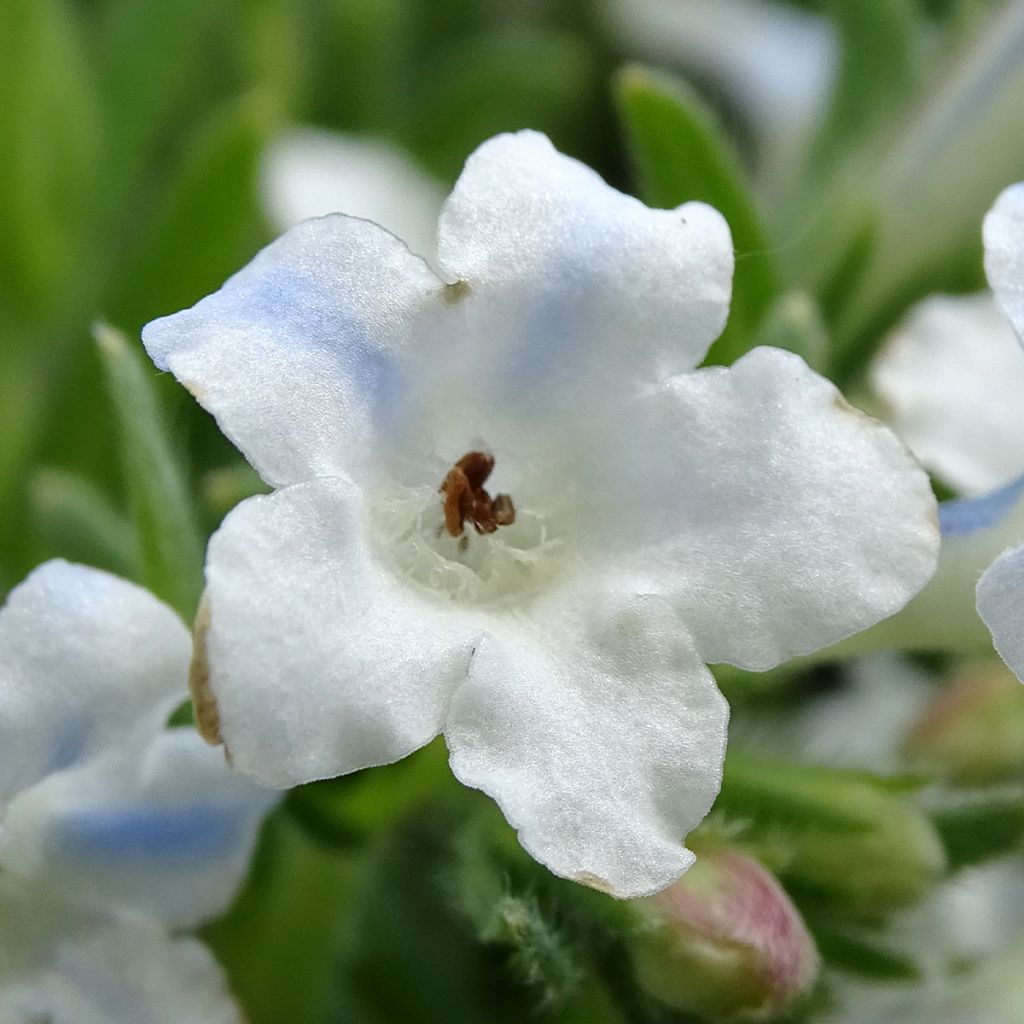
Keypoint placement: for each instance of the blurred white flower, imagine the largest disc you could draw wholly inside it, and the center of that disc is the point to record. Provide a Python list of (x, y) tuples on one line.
[(1001, 587), (967, 939), (309, 172), (952, 377), (775, 62), (115, 830), (653, 518)]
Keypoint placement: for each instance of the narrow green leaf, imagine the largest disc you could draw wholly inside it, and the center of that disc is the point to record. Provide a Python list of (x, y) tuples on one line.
[(291, 912), (878, 71), (682, 154), (78, 522), (503, 80), (933, 186), (855, 954), (170, 548), (149, 51), (49, 138), (977, 830), (209, 221)]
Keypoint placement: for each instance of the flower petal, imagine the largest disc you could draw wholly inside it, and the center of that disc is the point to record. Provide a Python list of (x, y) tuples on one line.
[(602, 740), (169, 832), (307, 172), (85, 660), (1001, 606), (575, 277), (775, 516), (952, 377), (776, 62), (73, 968), (1004, 253), (297, 354), (321, 661)]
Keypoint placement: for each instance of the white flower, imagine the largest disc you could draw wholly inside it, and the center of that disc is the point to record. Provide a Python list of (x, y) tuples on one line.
[(777, 63), (114, 829), (662, 518), (308, 172), (952, 376), (1000, 591)]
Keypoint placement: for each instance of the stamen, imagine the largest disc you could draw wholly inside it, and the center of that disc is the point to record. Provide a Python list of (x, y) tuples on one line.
[(465, 497)]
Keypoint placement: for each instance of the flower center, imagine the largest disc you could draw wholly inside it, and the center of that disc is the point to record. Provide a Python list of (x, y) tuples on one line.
[(465, 497), (426, 541)]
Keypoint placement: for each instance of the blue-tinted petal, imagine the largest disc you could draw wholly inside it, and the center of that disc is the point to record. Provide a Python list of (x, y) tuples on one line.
[(969, 515), (86, 662), (299, 355), (169, 830)]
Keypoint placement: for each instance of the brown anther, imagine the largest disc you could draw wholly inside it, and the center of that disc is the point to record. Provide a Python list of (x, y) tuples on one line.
[(465, 497)]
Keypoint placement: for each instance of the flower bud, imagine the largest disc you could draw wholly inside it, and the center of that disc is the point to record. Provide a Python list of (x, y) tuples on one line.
[(724, 942), (973, 732)]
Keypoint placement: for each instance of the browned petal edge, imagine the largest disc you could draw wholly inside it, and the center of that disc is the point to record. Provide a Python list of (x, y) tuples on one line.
[(594, 881), (204, 704), (455, 292)]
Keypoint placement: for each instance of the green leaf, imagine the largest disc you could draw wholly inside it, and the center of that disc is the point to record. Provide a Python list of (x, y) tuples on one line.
[(280, 942), (78, 522), (515, 78), (209, 221), (345, 811), (49, 138), (976, 830), (681, 154), (855, 954), (170, 548), (149, 52), (878, 71), (372, 42)]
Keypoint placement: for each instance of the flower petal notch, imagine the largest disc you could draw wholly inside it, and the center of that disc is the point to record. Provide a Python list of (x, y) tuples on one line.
[(510, 511)]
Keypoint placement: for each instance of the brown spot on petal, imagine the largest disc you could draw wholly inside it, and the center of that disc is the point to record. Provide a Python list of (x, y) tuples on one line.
[(204, 704), (595, 882), (456, 292)]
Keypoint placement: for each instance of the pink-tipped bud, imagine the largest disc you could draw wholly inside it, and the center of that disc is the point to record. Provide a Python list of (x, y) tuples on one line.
[(725, 942), (973, 732)]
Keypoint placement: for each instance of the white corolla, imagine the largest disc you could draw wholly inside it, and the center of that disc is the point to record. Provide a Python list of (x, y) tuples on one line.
[(1001, 587), (511, 511), (114, 830), (952, 376)]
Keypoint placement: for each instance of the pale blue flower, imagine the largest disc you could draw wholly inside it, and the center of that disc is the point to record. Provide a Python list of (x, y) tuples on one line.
[(115, 830)]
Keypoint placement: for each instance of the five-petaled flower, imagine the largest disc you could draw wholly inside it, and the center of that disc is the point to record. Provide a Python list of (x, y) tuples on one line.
[(113, 829), (663, 517)]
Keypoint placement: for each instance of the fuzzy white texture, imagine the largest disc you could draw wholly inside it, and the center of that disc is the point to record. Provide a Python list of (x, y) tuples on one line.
[(114, 830), (665, 516)]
